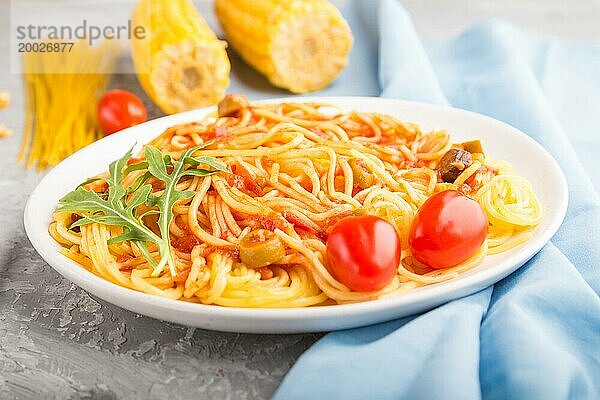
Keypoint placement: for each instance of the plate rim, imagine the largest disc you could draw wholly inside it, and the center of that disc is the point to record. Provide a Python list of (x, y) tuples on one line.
[(132, 300)]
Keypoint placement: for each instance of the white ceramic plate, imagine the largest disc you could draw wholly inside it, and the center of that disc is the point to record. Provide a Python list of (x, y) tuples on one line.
[(500, 141)]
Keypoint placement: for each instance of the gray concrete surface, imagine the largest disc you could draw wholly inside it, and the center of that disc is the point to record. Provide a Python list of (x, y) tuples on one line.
[(57, 341)]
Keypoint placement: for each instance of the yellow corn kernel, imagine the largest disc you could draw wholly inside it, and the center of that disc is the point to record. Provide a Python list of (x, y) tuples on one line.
[(4, 100), (4, 131)]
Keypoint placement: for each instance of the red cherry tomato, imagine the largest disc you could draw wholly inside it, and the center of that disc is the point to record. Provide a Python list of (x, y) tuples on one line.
[(448, 229), (120, 109), (363, 252)]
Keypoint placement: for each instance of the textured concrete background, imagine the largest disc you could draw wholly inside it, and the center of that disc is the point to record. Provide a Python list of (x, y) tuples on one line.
[(56, 341)]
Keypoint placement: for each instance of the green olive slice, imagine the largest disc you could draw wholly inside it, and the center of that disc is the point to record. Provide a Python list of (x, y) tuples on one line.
[(363, 178), (260, 248)]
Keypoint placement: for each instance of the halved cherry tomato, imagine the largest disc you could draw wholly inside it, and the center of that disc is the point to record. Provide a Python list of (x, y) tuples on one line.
[(363, 252), (120, 109), (448, 229)]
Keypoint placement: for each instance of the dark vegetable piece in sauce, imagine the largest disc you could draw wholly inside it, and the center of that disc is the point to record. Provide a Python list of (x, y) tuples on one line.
[(453, 163), (231, 105), (75, 218)]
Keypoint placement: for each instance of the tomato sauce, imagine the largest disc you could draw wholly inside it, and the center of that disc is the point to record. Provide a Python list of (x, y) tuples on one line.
[(476, 181), (216, 133), (267, 162), (328, 223), (121, 258), (233, 253), (412, 164), (134, 160), (270, 223), (265, 273), (182, 276), (306, 183), (241, 179), (185, 243)]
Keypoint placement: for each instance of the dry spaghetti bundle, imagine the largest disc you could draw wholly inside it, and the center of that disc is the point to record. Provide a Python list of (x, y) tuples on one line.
[(61, 95), (278, 177)]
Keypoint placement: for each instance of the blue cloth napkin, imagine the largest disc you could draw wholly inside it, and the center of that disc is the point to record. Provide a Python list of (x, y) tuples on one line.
[(536, 334)]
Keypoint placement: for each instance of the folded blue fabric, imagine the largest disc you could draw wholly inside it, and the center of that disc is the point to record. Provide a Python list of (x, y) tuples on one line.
[(536, 334)]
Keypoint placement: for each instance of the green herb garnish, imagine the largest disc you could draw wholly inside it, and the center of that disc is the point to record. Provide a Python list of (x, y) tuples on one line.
[(118, 208)]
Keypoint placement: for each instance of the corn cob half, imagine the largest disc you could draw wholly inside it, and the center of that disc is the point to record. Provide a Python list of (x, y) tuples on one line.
[(185, 66), (300, 45)]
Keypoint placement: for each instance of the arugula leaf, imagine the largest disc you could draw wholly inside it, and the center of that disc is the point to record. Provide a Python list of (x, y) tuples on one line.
[(135, 167), (117, 209), (114, 210), (157, 166), (116, 191), (138, 182)]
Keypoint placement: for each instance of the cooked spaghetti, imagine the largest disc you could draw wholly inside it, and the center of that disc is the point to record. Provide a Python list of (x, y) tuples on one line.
[(290, 171)]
